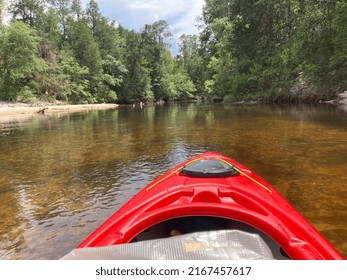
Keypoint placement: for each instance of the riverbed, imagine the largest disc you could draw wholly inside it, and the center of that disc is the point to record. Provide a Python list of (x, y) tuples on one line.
[(62, 175)]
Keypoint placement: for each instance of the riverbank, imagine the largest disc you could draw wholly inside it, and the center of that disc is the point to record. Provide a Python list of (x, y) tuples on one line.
[(27, 109), (12, 109)]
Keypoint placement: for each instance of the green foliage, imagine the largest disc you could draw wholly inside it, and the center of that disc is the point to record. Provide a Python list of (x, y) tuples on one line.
[(178, 86), (93, 16), (63, 11), (20, 65), (136, 84), (192, 61), (176, 83), (338, 61), (1, 11), (55, 50), (28, 11), (86, 50), (277, 50), (50, 28), (153, 41), (108, 38), (69, 82)]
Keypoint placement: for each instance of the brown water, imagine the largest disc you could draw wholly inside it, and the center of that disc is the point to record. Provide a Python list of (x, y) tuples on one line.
[(62, 176)]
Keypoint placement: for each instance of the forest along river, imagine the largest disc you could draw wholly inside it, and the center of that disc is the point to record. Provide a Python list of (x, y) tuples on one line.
[(62, 176)]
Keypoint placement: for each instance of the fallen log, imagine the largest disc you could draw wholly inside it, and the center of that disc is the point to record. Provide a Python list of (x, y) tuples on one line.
[(42, 111)]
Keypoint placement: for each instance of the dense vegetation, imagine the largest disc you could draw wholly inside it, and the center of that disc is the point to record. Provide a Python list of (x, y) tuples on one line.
[(55, 50), (290, 50), (283, 50)]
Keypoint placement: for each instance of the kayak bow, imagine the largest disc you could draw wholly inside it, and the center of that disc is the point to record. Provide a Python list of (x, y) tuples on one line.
[(212, 192)]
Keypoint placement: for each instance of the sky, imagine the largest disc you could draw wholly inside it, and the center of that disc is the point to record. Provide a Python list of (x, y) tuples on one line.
[(134, 14)]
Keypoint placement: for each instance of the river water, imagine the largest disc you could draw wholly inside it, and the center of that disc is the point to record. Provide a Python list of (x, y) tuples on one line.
[(61, 176)]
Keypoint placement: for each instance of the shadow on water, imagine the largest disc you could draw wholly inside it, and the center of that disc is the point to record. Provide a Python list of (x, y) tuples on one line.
[(61, 177)]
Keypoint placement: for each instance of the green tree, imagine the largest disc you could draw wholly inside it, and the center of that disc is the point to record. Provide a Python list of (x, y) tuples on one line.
[(93, 16), (115, 69), (20, 66), (338, 61), (63, 10), (67, 80), (50, 29), (86, 50), (1, 11), (153, 40), (177, 84), (76, 9), (315, 38), (136, 85), (192, 60), (108, 38), (28, 11), (271, 49)]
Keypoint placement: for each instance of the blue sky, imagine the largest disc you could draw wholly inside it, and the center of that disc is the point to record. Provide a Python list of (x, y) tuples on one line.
[(134, 14)]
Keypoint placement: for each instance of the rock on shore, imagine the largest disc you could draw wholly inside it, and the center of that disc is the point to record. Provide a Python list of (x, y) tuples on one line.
[(342, 99)]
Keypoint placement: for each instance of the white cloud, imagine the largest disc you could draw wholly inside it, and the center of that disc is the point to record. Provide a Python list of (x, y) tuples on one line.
[(180, 14), (186, 24), (158, 7), (5, 16)]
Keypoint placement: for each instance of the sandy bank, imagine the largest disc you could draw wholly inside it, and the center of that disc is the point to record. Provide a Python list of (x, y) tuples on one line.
[(10, 109)]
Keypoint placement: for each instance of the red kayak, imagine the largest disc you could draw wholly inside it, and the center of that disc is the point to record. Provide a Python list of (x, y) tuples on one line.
[(211, 193)]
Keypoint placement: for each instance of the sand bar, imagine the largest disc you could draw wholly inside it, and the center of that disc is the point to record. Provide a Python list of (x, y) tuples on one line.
[(11, 109)]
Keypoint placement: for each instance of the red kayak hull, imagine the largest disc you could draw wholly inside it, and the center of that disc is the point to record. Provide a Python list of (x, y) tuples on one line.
[(244, 197)]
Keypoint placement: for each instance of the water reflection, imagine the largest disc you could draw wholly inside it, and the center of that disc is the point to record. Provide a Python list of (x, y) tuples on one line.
[(60, 177)]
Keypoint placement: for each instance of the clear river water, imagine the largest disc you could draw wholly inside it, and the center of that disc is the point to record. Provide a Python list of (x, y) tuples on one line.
[(61, 176)]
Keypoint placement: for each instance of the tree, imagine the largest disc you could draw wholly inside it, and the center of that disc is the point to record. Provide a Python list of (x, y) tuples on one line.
[(338, 61), (50, 29), (93, 16), (192, 60), (28, 11), (63, 10), (176, 82), (136, 85), (270, 49), (108, 38), (1, 11), (153, 40), (86, 50), (20, 66), (315, 38), (76, 9), (67, 80)]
